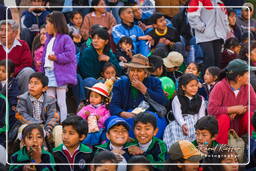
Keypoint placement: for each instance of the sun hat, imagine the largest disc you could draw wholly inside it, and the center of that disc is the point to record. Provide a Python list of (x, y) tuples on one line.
[(138, 61), (174, 59), (100, 88)]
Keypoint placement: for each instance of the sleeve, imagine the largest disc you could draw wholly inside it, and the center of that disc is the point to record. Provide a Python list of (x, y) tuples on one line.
[(69, 53), (114, 61), (143, 47), (104, 116), (252, 99), (52, 117), (47, 159), (82, 112), (117, 34), (25, 21), (112, 22), (202, 109), (15, 167), (176, 108), (22, 113), (85, 64), (215, 106), (115, 104), (194, 15), (85, 27)]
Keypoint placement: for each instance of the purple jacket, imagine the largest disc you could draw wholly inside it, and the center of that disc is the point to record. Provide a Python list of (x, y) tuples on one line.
[(65, 66)]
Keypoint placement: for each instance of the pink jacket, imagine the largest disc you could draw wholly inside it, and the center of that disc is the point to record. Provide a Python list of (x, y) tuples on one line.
[(100, 111), (222, 96)]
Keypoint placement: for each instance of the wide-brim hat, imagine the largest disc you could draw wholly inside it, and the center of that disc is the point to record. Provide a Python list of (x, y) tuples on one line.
[(138, 61), (100, 88)]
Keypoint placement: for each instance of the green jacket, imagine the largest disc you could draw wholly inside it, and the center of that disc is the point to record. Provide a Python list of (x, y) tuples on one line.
[(22, 156), (156, 152)]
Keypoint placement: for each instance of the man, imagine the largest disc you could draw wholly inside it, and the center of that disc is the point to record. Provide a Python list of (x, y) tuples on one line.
[(127, 28), (17, 51)]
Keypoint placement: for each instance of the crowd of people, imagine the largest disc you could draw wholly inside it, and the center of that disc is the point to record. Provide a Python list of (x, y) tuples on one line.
[(114, 87)]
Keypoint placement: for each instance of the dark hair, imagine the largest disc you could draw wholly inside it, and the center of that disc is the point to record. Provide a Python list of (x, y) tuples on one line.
[(74, 13), (107, 65), (156, 62), (139, 159), (104, 99), (59, 22), (103, 157), (28, 129), (173, 167), (214, 71), (184, 80), (36, 41), (160, 51), (94, 3), (145, 118), (230, 11), (155, 17), (208, 123), (125, 39), (231, 43), (122, 9), (95, 27), (10, 66), (254, 120), (230, 76), (197, 66), (245, 50), (103, 34), (78, 123), (40, 76)]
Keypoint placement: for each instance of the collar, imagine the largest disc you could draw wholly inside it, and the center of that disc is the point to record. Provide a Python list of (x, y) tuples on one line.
[(144, 147), (40, 99), (66, 149), (96, 106), (161, 34), (230, 51), (94, 14), (111, 146), (126, 26), (15, 43)]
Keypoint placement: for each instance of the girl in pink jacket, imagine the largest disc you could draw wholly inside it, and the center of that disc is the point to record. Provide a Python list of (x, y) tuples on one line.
[(96, 113)]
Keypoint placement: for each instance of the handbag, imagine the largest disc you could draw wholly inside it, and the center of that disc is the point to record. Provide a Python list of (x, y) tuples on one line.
[(237, 143), (160, 109)]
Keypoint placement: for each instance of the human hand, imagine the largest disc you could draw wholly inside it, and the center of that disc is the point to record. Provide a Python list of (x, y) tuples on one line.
[(232, 116), (35, 152), (239, 109), (139, 85), (127, 115), (122, 59), (103, 58), (52, 57), (142, 26), (135, 150), (185, 129), (29, 168), (129, 52)]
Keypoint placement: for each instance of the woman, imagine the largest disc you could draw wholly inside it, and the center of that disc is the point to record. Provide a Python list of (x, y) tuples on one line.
[(229, 101), (97, 16), (129, 93)]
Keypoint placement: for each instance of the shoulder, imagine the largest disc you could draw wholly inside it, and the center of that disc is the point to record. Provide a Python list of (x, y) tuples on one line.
[(23, 96), (121, 81), (158, 141), (118, 27), (57, 149), (49, 99), (85, 149), (23, 43), (102, 146), (153, 80)]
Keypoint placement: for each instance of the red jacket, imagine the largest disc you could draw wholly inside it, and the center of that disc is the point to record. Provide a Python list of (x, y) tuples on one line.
[(222, 96), (19, 55)]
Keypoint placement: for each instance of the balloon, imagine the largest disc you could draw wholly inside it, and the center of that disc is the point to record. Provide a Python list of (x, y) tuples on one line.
[(168, 86)]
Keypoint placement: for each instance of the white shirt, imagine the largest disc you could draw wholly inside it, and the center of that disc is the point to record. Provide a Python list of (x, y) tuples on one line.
[(49, 51), (144, 147), (15, 43)]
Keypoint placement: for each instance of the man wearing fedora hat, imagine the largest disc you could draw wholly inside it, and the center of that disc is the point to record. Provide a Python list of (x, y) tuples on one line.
[(129, 92)]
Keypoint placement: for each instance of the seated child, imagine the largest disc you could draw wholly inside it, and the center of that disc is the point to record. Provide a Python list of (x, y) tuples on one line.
[(183, 152), (210, 77), (124, 51), (104, 157), (152, 148), (188, 106), (206, 131), (139, 159), (172, 63), (96, 113), (108, 72), (10, 83), (35, 106), (223, 154), (157, 65), (33, 151), (72, 151), (118, 136)]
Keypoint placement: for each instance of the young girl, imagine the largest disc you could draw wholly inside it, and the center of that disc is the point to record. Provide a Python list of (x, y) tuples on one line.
[(74, 28), (59, 60), (187, 108), (96, 113), (38, 48), (231, 51), (33, 151), (210, 77)]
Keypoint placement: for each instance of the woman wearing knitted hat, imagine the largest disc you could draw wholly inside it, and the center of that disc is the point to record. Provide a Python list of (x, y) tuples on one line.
[(229, 101)]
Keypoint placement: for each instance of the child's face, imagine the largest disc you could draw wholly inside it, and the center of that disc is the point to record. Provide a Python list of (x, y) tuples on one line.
[(191, 68), (253, 55), (105, 167), (77, 20), (144, 132), (139, 168), (208, 77), (109, 73), (191, 88), (125, 46), (118, 135), (35, 87), (34, 139), (161, 24), (2, 73), (50, 29), (95, 98), (71, 138), (193, 167), (42, 36), (204, 137), (230, 159)]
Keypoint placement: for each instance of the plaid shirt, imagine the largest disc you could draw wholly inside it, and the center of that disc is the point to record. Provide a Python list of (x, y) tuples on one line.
[(37, 106)]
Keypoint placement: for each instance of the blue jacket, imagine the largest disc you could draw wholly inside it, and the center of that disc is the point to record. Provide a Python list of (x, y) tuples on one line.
[(122, 101), (133, 32)]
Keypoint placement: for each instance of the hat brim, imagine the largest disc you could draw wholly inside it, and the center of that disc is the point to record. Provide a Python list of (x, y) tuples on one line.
[(120, 123), (134, 65), (97, 91), (195, 158)]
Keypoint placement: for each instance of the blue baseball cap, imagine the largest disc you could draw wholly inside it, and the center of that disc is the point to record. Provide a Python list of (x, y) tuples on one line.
[(117, 121)]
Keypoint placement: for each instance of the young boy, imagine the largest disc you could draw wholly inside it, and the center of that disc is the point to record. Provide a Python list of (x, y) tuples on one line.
[(152, 148), (72, 151), (118, 136), (10, 83), (206, 132), (35, 106)]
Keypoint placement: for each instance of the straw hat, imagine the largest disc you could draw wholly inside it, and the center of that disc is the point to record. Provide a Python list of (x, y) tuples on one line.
[(100, 88), (138, 61)]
